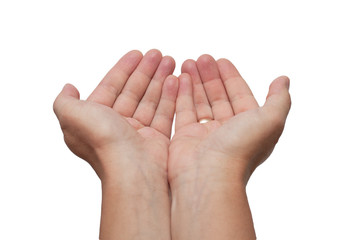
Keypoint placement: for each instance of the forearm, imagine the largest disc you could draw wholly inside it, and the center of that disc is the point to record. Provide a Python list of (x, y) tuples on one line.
[(135, 200), (135, 213), (211, 209)]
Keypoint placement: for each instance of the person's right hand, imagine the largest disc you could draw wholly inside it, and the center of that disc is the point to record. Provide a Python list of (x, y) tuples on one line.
[(123, 130), (127, 120)]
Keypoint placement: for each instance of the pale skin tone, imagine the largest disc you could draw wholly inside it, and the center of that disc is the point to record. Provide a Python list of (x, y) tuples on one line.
[(123, 130), (210, 164)]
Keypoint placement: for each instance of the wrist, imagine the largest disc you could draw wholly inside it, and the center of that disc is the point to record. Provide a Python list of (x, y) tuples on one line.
[(135, 184), (193, 192), (210, 171), (128, 168)]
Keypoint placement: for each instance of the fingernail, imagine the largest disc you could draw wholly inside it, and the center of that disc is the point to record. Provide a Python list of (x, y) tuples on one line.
[(287, 83)]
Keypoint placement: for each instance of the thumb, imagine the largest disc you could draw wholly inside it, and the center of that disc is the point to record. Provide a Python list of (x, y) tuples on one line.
[(278, 101), (68, 94)]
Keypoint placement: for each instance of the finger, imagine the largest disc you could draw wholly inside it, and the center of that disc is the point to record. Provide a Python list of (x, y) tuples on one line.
[(137, 84), (145, 111), (278, 101), (164, 115), (110, 87), (68, 95), (214, 87), (185, 108), (239, 93), (67, 105), (202, 105)]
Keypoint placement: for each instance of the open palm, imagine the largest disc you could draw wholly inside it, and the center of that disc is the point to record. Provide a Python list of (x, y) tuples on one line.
[(130, 113), (239, 135)]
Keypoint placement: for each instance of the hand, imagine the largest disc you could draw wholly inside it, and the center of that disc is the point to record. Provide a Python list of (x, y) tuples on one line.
[(129, 114), (240, 135), (210, 164), (123, 131)]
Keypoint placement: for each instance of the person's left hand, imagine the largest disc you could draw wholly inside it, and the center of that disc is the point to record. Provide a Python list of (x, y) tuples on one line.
[(239, 134)]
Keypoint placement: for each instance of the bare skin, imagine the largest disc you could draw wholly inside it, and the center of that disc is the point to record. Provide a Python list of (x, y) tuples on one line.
[(123, 130), (210, 164)]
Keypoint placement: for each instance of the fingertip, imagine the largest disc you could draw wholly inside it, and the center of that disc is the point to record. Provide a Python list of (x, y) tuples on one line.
[(188, 66), (185, 77), (223, 61), (205, 59), (70, 90), (207, 68), (284, 80), (287, 82), (171, 78), (135, 53), (185, 83), (171, 85), (169, 62), (279, 84), (225, 65), (278, 97), (132, 58), (154, 54)]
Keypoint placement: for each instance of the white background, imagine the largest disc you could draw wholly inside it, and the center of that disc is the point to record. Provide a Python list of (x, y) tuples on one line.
[(308, 188)]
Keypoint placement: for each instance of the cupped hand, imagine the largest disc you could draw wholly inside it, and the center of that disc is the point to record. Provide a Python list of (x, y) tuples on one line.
[(239, 136), (126, 122)]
